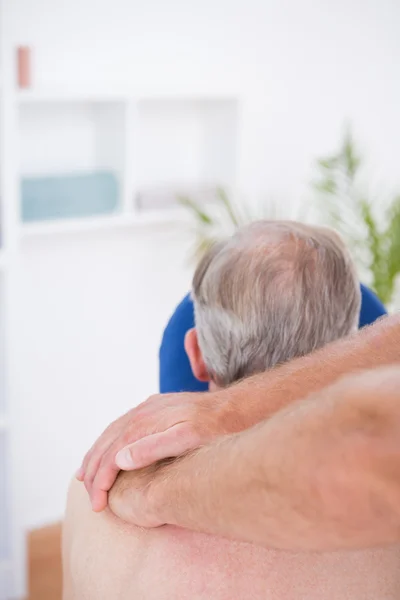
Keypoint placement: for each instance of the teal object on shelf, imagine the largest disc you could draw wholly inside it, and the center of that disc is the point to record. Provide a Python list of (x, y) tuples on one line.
[(69, 196)]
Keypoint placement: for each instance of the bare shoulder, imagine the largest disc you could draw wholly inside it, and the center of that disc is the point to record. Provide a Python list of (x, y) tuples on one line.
[(94, 545), (79, 512)]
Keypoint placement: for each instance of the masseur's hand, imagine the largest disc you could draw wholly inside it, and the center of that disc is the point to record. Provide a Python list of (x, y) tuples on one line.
[(163, 426), (132, 498)]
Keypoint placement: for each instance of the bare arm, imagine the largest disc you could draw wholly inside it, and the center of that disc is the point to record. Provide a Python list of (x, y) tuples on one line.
[(323, 475), (261, 396), (172, 424)]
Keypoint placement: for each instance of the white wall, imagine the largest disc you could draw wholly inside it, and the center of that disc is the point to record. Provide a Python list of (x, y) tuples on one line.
[(87, 318), (86, 345), (301, 67)]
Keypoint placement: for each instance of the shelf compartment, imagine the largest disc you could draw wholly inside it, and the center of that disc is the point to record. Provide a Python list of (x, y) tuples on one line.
[(72, 159), (68, 196), (183, 147), (154, 218)]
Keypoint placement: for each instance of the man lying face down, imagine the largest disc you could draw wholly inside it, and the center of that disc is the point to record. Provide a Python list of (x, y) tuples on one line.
[(274, 291)]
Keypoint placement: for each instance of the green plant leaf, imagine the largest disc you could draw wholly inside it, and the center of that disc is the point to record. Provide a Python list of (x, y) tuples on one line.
[(376, 249), (201, 246), (377, 242), (393, 241), (352, 160), (228, 206), (197, 211), (327, 185)]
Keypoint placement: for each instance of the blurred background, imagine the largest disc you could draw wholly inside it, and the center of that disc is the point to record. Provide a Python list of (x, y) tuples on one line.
[(129, 131)]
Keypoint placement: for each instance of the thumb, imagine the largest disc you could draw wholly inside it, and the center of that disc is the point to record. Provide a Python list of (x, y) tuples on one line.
[(174, 441)]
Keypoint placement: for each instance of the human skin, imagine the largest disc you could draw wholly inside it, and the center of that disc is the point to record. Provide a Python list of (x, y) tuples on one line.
[(172, 424), (106, 558), (326, 478), (323, 474)]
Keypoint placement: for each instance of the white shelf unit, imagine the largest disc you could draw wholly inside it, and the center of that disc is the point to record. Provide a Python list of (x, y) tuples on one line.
[(158, 147), (12, 542), (151, 218)]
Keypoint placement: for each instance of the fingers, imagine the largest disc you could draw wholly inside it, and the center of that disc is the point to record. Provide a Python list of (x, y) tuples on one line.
[(102, 470), (110, 435), (95, 456), (173, 442), (99, 500), (103, 441), (90, 474), (102, 483), (80, 474), (99, 470)]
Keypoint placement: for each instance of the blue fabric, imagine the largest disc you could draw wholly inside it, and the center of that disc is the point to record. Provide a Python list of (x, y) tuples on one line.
[(371, 307), (175, 372)]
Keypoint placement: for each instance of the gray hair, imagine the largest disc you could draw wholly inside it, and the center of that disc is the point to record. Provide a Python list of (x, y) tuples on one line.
[(274, 291)]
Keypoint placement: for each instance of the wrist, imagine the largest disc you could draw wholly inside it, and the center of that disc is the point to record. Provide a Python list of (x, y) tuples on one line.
[(230, 411), (165, 487), (185, 492), (133, 499), (215, 417)]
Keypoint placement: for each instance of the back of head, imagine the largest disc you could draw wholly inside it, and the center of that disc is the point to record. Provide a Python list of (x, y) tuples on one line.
[(274, 291)]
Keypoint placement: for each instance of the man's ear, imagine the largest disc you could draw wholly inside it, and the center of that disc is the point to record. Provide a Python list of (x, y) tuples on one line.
[(195, 357)]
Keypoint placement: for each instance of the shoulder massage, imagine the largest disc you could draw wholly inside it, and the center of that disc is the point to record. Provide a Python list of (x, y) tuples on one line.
[(244, 514)]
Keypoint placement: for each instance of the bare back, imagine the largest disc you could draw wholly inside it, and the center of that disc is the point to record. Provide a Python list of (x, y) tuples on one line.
[(105, 558)]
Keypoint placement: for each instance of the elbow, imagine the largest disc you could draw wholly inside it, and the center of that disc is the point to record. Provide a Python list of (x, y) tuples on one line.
[(379, 437)]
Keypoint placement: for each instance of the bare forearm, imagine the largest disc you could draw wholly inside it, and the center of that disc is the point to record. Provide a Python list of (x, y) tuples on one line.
[(259, 397), (322, 476), (169, 425)]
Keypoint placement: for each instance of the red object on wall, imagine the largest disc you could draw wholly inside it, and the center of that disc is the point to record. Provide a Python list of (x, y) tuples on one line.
[(24, 66)]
